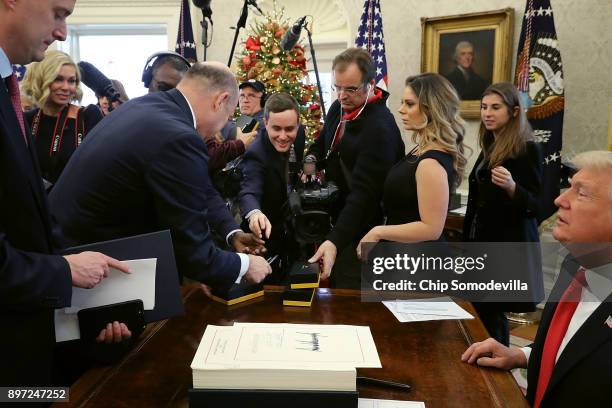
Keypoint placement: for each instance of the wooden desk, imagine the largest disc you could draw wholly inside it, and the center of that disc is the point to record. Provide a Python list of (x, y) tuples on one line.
[(425, 355)]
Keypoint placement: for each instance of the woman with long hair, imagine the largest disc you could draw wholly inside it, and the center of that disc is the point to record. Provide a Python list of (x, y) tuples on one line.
[(59, 125), (504, 185), (417, 188)]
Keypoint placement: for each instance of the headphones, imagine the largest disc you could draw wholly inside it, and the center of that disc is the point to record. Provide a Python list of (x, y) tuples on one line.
[(147, 73)]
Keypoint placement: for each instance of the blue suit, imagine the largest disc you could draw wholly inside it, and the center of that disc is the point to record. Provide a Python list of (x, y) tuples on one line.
[(32, 281), (143, 169)]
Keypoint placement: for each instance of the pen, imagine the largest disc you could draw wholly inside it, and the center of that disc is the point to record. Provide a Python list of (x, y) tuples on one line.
[(377, 381), (271, 259)]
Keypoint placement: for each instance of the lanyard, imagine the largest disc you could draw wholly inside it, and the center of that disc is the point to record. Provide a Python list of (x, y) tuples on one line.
[(58, 130)]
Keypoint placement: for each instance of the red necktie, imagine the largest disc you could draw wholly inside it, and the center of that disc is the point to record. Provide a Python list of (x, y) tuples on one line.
[(558, 327), (13, 89)]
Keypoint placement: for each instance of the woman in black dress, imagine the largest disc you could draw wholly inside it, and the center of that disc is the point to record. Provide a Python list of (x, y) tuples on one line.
[(504, 185), (58, 126), (417, 188)]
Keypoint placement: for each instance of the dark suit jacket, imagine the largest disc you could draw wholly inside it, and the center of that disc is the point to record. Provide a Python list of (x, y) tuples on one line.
[(32, 280), (472, 88), (581, 377), (264, 186), (143, 169), (371, 145)]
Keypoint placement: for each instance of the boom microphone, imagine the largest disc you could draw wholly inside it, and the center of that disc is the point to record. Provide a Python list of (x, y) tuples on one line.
[(98, 82), (292, 36), (254, 4), (205, 6)]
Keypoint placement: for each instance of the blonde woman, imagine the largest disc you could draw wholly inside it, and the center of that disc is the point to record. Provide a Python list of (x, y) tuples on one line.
[(417, 189), (59, 125)]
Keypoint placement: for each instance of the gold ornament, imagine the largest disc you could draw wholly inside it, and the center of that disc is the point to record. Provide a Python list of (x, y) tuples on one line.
[(276, 60)]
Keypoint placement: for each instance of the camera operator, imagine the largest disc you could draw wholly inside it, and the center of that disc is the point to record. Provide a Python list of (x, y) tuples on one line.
[(266, 179), (358, 145)]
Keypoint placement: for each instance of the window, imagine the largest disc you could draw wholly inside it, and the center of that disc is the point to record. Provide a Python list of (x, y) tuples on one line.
[(118, 51)]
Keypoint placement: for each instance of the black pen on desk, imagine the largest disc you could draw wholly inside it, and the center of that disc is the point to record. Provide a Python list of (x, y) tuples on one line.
[(378, 381)]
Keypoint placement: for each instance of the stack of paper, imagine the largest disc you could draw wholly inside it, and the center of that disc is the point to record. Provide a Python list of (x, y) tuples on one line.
[(440, 308), (380, 403), (283, 357)]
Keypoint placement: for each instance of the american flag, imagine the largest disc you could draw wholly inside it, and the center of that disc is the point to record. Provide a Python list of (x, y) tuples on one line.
[(185, 44), (19, 71), (371, 38), (539, 79)]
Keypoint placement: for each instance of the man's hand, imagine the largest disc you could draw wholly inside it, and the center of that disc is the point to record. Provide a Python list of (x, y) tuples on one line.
[(248, 243), (258, 269), (328, 252), (260, 225), (246, 138), (115, 332), (89, 268), (490, 353)]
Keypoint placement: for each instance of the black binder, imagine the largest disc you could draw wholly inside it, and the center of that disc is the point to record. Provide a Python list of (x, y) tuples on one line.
[(168, 301), (205, 398)]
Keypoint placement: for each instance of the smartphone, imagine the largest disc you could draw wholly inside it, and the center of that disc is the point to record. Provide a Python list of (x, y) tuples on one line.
[(92, 320), (247, 123)]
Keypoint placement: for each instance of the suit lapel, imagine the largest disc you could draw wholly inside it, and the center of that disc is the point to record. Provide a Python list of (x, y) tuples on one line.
[(591, 335), (278, 164), (25, 158)]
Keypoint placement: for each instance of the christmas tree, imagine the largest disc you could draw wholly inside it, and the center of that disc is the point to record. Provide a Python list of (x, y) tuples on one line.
[(282, 71)]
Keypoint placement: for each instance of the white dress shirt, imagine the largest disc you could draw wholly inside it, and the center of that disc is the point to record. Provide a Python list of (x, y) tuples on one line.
[(599, 287)]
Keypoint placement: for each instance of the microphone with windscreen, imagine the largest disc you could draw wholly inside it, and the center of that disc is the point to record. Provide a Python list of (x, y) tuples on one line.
[(98, 82), (205, 6), (292, 36)]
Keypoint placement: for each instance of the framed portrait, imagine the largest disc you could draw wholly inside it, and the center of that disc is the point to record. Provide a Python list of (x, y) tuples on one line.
[(471, 50)]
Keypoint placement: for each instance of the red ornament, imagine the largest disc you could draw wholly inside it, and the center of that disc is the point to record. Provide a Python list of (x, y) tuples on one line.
[(313, 107), (279, 33), (246, 61), (253, 44)]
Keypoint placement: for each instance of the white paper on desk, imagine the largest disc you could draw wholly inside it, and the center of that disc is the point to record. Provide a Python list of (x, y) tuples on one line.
[(461, 210), (116, 287), (442, 308), (380, 403)]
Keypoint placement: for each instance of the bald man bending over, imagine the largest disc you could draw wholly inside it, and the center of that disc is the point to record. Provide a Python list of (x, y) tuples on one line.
[(145, 169)]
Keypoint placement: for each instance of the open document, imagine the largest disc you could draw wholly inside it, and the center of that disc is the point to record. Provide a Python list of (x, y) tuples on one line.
[(440, 308), (116, 287)]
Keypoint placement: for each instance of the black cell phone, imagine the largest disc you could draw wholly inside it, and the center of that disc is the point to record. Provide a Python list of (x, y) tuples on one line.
[(94, 319), (247, 123)]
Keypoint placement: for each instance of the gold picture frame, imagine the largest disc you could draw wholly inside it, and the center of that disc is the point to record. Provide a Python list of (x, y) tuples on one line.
[(490, 35)]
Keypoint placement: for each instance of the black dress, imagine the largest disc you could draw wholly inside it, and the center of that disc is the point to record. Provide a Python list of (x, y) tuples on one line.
[(53, 160), (400, 200)]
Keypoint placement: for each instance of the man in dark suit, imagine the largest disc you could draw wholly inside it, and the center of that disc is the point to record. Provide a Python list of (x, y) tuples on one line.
[(33, 281), (145, 169), (469, 84), (568, 365), (358, 144), (264, 187)]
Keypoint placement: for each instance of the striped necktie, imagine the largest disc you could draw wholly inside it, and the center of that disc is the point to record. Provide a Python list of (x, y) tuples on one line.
[(13, 89)]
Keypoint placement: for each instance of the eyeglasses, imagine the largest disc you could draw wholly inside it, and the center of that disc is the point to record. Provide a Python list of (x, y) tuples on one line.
[(349, 90), (243, 97)]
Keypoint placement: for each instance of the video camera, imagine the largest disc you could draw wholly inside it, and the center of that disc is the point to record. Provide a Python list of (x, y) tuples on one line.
[(227, 181), (310, 206)]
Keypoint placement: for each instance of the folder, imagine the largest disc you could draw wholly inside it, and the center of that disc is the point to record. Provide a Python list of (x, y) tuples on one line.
[(168, 301)]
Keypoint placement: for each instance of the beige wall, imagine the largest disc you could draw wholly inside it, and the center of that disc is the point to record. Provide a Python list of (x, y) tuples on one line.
[(582, 29)]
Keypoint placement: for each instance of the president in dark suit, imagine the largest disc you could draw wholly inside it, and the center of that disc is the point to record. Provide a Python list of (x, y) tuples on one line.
[(469, 84), (145, 168), (33, 281), (264, 187), (568, 365)]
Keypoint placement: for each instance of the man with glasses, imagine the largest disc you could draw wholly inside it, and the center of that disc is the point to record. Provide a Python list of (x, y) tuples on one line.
[(358, 144)]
